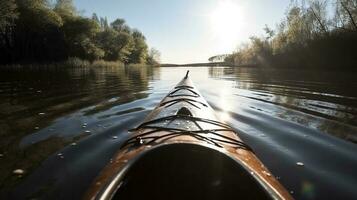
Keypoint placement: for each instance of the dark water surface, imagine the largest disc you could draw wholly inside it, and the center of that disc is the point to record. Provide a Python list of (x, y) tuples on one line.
[(61, 126)]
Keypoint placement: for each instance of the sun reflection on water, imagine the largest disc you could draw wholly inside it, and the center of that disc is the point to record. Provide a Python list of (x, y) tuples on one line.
[(224, 103)]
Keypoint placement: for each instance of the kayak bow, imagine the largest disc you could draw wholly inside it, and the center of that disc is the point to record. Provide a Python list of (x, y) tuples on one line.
[(182, 151)]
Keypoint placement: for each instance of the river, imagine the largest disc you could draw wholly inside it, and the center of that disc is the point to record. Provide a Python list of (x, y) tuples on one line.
[(57, 124)]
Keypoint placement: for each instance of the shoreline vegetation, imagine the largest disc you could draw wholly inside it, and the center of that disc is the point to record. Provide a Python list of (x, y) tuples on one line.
[(72, 63), (319, 34), (208, 64), (47, 32)]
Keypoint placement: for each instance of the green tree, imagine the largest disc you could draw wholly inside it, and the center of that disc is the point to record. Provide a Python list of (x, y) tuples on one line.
[(118, 24), (38, 35), (80, 35), (126, 45), (116, 45), (36, 30), (65, 8), (140, 50)]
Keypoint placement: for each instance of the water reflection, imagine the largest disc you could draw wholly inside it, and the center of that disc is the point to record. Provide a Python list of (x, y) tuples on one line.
[(63, 125), (290, 117), (323, 100), (33, 101)]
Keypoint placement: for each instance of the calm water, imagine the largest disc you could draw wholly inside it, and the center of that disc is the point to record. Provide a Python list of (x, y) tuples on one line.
[(58, 124)]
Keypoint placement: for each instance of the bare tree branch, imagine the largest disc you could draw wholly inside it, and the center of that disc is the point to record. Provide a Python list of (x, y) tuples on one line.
[(322, 26), (350, 15)]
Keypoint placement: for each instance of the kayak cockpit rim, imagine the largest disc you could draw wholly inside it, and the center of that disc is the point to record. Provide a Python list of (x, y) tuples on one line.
[(109, 190)]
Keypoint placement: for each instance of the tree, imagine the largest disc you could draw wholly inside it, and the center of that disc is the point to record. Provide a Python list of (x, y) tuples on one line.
[(79, 36), (104, 23), (318, 10), (218, 58), (116, 45), (34, 30), (305, 38), (347, 11), (118, 24), (95, 18), (269, 32), (125, 44), (153, 57), (139, 53), (65, 8), (37, 33), (8, 15)]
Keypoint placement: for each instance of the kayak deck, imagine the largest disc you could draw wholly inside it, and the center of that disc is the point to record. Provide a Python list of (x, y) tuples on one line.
[(182, 151)]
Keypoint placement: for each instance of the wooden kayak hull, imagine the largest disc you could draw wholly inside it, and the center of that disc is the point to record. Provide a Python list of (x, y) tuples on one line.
[(184, 150)]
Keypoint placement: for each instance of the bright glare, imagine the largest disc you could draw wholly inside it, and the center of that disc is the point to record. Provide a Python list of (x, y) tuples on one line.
[(224, 103), (224, 116), (227, 23)]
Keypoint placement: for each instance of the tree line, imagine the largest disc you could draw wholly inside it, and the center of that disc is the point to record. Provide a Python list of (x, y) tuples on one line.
[(313, 34), (41, 31)]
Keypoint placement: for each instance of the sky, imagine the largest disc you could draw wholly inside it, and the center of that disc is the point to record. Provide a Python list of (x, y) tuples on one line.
[(190, 31)]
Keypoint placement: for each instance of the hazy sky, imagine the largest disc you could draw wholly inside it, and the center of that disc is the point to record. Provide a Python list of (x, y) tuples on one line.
[(186, 31)]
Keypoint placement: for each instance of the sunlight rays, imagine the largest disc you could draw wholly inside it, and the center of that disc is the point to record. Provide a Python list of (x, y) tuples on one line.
[(227, 24)]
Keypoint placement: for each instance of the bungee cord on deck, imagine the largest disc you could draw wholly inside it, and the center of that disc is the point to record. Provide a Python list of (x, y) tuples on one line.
[(176, 132), (183, 113)]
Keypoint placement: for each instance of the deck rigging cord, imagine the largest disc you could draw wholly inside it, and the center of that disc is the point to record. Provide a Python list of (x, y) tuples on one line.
[(176, 132), (183, 87), (184, 114)]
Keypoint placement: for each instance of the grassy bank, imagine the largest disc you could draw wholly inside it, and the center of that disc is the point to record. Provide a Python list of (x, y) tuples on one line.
[(71, 62)]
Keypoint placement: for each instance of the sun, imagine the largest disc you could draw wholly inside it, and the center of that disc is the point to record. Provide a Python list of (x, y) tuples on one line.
[(227, 23)]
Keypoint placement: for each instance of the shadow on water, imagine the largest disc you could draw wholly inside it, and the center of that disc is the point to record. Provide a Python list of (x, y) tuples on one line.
[(46, 111), (63, 125)]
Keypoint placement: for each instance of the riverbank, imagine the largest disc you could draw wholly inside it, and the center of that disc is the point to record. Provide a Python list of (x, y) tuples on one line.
[(210, 64), (70, 63), (279, 64)]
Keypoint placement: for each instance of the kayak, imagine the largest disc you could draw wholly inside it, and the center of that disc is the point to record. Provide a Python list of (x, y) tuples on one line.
[(183, 151)]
